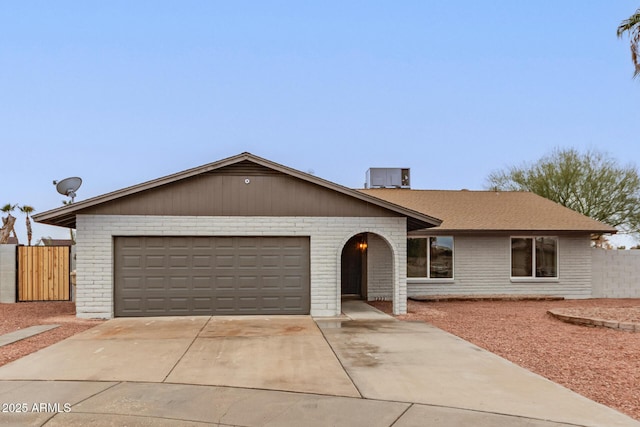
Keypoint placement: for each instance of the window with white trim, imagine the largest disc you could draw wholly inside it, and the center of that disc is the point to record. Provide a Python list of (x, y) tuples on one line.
[(534, 257), (430, 257)]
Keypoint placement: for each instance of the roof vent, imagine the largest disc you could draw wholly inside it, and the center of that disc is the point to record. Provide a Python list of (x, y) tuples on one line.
[(388, 178)]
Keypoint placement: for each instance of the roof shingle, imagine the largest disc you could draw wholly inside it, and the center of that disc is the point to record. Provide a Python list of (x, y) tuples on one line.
[(492, 211)]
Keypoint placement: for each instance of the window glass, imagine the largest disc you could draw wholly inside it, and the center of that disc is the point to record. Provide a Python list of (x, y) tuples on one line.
[(430, 257), (534, 257), (416, 257), (441, 257), (521, 261), (546, 257)]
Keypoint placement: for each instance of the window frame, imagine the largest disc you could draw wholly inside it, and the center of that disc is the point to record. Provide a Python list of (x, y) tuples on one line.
[(533, 277), (428, 277)]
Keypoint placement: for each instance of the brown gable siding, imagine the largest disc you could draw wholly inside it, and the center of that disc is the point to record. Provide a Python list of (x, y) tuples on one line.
[(223, 192), (219, 188)]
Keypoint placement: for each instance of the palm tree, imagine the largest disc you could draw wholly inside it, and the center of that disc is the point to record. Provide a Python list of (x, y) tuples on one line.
[(632, 27), (27, 210), (7, 223)]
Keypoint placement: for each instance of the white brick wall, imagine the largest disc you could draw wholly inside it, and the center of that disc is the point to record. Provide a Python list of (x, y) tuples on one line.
[(482, 267), (616, 273), (379, 269), (328, 235)]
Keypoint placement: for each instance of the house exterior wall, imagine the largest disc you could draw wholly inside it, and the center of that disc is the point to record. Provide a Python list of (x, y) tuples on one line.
[(240, 190), (379, 269), (94, 290), (616, 273), (8, 273), (482, 267)]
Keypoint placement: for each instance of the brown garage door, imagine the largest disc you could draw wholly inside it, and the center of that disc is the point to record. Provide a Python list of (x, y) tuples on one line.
[(173, 276)]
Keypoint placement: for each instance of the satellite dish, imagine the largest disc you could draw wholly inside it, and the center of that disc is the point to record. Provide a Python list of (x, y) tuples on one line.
[(68, 186)]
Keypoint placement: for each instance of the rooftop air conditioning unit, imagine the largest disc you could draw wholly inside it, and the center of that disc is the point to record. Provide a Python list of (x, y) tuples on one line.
[(388, 178)]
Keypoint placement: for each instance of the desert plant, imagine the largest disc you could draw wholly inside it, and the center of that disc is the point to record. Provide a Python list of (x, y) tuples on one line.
[(631, 27), (8, 223), (27, 210)]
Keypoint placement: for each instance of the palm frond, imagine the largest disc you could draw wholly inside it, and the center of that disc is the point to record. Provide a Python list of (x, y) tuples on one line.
[(631, 26)]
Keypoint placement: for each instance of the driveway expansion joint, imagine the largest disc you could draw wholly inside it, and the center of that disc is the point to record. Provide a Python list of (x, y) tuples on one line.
[(187, 349), (340, 361)]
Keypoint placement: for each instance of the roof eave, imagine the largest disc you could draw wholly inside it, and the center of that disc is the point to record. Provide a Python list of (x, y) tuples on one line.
[(64, 216), (440, 231)]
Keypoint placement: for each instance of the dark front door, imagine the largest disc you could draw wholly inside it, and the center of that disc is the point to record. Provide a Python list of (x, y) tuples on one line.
[(353, 265)]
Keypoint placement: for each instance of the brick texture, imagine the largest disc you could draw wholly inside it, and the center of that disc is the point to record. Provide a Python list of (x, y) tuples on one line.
[(379, 269), (328, 235), (482, 267), (616, 273)]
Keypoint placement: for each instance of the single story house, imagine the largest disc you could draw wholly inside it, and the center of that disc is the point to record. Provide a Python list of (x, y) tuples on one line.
[(512, 242), (245, 235)]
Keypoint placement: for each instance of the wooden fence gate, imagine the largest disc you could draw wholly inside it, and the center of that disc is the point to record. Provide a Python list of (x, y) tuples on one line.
[(44, 273)]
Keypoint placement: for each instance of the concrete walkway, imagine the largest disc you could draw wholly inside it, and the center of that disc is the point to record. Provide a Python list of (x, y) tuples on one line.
[(281, 371), (21, 334)]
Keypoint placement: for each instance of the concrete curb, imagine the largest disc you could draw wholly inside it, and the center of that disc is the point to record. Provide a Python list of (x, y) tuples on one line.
[(588, 321), (21, 334), (496, 297)]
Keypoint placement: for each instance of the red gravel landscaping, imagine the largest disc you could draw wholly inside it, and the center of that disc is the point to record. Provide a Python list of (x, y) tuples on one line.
[(22, 315), (600, 363)]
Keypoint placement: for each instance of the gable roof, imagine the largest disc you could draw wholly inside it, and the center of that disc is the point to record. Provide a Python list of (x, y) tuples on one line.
[(65, 216), (485, 211)]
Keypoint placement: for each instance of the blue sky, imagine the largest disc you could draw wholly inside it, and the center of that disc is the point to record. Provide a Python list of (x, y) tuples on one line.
[(121, 92)]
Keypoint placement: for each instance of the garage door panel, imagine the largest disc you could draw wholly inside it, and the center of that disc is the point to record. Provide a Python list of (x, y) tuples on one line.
[(150, 242), (223, 242), (247, 243), (131, 305), (291, 261), (271, 282), (131, 283), (154, 261), (178, 283), (223, 283), (270, 261), (272, 243), (201, 243), (132, 261), (224, 261), (153, 283), (154, 304), (178, 242), (247, 283), (242, 275), (178, 261), (202, 261), (293, 282), (179, 303), (202, 282), (132, 242), (247, 261)]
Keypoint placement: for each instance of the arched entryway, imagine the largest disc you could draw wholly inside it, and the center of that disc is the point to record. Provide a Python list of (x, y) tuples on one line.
[(354, 267), (367, 268)]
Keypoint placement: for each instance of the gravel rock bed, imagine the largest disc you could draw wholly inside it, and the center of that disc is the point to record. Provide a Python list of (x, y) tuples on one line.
[(600, 363), (21, 315)]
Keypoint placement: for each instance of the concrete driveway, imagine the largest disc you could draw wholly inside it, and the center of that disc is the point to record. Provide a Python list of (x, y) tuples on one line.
[(250, 351), (255, 371)]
